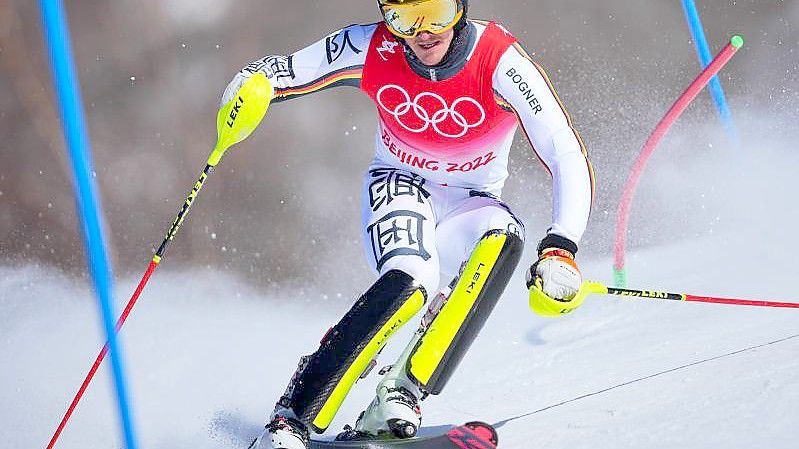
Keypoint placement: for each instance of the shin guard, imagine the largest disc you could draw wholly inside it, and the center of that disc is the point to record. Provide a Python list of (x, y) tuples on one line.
[(454, 328), (324, 378)]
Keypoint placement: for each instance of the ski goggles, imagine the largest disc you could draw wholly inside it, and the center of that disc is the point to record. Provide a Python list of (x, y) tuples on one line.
[(408, 18)]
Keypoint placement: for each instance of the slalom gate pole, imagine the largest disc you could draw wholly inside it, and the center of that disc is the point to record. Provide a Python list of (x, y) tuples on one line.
[(597, 288), (682, 103), (235, 122), (705, 57), (77, 137)]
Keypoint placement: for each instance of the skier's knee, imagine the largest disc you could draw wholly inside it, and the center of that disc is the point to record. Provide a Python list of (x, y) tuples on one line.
[(426, 275), (324, 378), (477, 290)]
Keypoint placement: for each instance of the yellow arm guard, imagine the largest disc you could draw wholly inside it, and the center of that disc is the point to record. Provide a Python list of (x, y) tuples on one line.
[(241, 115)]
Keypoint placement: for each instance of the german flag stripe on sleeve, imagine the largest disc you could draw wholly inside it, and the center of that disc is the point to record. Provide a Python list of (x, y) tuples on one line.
[(565, 113), (350, 76), (503, 103)]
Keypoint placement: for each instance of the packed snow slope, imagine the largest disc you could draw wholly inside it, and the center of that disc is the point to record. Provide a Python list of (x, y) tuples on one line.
[(208, 355)]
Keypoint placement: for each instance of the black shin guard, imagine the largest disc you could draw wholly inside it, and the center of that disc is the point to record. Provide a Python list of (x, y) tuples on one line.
[(472, 300), (324, 378)]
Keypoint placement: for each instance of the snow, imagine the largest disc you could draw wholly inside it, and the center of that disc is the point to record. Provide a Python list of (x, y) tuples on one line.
[(208, 356)]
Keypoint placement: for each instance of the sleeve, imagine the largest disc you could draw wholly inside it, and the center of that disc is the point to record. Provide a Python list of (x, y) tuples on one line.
[(335, 60), (525, 87)]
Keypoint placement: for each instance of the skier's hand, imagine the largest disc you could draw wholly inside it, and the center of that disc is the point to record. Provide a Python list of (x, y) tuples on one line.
[(560, 277), (238, 117), (235, 84), (554, 279)]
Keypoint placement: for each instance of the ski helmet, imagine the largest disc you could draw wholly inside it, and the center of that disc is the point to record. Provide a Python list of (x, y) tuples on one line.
[(407, 18)]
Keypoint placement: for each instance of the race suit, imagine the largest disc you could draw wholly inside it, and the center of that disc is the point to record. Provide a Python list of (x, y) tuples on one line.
[(443, 141)]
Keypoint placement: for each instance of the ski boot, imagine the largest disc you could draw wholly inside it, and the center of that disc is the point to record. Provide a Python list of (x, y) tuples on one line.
[(395, 410), (286, 433)]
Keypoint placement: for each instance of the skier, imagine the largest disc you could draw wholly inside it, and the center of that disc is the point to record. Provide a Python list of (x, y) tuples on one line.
[(450, 93)]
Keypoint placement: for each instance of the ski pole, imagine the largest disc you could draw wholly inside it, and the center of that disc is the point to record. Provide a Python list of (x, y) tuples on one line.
[(597, 288), (236, 120)]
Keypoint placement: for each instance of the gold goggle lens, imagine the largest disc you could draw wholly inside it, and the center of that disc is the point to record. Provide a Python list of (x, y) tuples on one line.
[(410, 18)]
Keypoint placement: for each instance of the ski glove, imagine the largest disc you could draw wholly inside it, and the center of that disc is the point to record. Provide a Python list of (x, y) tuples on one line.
[(556, 275), (235, 84)]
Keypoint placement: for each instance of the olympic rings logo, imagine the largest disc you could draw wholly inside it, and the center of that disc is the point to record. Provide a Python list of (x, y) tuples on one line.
[(434, 119)]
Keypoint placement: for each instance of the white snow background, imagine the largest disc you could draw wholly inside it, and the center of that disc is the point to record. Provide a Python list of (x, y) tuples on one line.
[(208, 355)]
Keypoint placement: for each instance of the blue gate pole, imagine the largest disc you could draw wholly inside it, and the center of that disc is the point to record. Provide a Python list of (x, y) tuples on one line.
[(75, 132), (703, 50)]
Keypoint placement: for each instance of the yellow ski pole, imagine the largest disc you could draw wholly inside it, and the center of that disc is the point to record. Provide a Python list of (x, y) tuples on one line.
[(651, 294), (544, 306), (235, 121)]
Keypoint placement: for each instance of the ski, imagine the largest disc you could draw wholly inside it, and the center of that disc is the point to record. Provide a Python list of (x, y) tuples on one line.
[(472, 435)]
